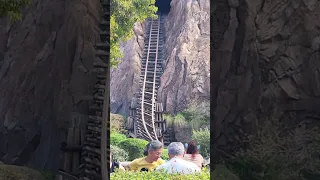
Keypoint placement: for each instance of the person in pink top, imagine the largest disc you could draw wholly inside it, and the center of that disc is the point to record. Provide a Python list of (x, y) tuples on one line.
[(193, 155)]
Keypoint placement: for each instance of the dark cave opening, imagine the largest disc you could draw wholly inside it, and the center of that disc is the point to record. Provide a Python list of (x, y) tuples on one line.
[(163, 6)]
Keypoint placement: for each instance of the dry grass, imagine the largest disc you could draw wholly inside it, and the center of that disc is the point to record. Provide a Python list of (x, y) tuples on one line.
[(116, 121), (277, 153), (9, 172)]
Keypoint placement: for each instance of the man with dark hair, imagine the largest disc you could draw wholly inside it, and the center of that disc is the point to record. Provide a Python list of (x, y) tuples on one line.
[(151, 161)]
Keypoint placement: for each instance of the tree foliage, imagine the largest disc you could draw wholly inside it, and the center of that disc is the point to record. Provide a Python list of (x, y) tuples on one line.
[(11, 8), (124, 14)]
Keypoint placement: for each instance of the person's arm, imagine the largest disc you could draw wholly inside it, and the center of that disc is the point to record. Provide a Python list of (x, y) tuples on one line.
[(159, 168), (121, 167), (133, 166)]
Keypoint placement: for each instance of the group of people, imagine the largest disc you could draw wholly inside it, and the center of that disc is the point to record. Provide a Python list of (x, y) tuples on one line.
[(183, 159)]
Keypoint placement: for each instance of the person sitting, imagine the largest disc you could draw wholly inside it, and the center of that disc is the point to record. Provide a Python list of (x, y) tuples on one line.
[(177, 164), (151, 161), (114, 165), (193, 155)]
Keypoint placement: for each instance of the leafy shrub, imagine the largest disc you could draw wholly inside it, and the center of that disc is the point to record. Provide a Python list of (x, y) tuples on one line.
[(169, 119), (48, 175), (221, 172), (116, 138), (277, 153), (198, 114), (158, 175), (118, 154), (179, 120), (202, 137), (164, 155), (134, 147), (116, 123)]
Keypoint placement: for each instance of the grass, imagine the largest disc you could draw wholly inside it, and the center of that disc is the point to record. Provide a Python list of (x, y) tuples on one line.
[(10, 172)]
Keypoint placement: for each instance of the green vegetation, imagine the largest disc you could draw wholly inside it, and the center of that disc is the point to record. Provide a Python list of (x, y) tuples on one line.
[(12, 8), (48, 175), (179, 120), (202, 137), (134, 147), (116, 122), (124, 14), (11, 172), (277, 153), (164, 155), (158, 175), (169, 119), (118, 154), (220, 172), (116, 138), (197, 115)]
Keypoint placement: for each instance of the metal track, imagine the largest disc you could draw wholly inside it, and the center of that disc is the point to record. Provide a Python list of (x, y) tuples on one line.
[(90, 168), (149, 81)]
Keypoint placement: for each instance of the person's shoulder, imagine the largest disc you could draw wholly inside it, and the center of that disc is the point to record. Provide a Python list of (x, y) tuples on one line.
[(137, 160), (191, 164), (199, 155), (160, 161)]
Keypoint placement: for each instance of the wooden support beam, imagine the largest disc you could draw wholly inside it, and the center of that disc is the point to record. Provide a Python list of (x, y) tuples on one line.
[(68, 155), (76, 141)]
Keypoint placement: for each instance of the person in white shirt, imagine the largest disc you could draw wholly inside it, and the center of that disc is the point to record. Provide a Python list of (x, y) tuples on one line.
[(177, 164)]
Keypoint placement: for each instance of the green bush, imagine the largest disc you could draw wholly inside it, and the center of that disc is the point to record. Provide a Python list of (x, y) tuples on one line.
[(202, 137), (116, 123), (179, 120), (134, 147), (197, 114), (116, 138), (118, 154), (221, 172), (169, 119), (158, 175), (276, 153), (164, 155)]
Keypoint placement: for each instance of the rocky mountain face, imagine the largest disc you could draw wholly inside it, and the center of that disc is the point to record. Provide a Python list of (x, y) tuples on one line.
[(186, 74), (124, 82), (265, 66), (46, 76)]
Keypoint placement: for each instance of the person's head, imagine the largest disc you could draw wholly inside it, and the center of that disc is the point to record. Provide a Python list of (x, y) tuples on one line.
[(145, 152), (192, 148), (155, 150), (175, 149)]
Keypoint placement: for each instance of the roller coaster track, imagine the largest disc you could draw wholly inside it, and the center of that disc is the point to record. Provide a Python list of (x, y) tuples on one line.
[(149, 81)]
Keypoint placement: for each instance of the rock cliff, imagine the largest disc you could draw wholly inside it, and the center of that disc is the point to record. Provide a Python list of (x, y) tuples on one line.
[(46, 64), (186, 74), (125, 78), (265, 66)]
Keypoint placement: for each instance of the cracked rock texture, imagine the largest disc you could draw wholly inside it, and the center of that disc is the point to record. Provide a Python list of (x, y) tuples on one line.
[(46, 63), (186, 77), (125, 78), (265, 66)]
